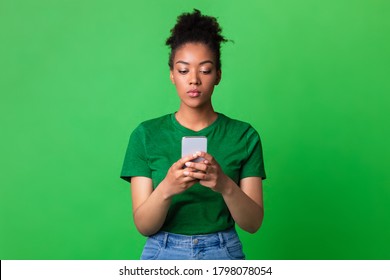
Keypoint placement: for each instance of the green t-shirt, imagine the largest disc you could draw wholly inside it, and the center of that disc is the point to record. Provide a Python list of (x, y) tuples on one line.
[(156, 144)]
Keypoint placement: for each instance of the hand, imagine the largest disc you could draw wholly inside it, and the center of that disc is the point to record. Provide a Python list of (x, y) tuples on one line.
[(176, 181), (210, 175)]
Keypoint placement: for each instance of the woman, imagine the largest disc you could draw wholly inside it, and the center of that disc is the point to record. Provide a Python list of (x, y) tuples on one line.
[(189, 209)]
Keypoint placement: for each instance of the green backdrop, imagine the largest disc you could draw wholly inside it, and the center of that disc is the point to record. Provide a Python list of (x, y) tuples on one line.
[(78, 76)]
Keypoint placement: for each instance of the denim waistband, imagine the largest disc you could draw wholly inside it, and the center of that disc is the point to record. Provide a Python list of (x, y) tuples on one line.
[(189, 241)]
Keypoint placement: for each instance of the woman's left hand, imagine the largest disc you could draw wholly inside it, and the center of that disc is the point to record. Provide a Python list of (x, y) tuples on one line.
[(210, 173), (245, 202)]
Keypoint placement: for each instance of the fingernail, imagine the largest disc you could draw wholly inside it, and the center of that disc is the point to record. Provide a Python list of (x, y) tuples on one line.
[(198, 153), (186, 173), (206, 161), (194, 155), (188, 164)]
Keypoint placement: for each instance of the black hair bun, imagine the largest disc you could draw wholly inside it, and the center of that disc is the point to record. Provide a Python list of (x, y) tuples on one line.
[(196, 28)]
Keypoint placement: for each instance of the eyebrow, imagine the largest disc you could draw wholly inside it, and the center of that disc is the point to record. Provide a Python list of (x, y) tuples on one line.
[(186, 63)]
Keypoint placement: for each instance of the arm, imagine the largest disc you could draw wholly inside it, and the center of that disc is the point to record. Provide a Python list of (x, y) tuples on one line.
[(245, 203), (150, 207)]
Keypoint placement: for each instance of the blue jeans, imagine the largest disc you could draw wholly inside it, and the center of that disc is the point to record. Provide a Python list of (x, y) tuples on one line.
[(224, 245)]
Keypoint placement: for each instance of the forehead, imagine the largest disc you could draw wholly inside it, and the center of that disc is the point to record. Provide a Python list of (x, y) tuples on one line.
[(194, 53)]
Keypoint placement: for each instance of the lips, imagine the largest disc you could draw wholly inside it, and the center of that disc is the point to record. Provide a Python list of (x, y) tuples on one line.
[(193, 93)]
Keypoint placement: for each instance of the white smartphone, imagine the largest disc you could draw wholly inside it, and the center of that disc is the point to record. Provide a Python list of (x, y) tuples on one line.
[(193, 144)]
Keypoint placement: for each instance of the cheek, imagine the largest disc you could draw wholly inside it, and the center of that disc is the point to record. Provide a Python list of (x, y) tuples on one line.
[(212, 81), (179, 87), (180, 82)]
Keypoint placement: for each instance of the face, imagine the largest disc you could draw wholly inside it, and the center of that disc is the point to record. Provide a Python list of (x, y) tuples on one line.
[(194, 74)]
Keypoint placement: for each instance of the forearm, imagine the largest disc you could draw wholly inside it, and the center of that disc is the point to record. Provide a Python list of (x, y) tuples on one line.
[(150, 207), (150, 216), (246, 213)]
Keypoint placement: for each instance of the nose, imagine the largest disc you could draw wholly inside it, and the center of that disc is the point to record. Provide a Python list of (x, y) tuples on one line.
[(194, 78)]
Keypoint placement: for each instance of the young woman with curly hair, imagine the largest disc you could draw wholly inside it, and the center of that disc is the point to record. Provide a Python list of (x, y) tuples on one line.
[(189, 209)]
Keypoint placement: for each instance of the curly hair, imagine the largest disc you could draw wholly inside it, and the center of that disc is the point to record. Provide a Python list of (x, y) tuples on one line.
[(196, 28)]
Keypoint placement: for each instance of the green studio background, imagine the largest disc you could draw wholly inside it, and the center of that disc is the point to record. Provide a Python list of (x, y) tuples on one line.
[(78, 76)]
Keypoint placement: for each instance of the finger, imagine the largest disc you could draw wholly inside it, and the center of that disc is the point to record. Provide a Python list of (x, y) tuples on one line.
[(196, 166), (192, 169), (187, 170), (185, 175), (196, 175), (189, 179), (208, 159), (180, 163)]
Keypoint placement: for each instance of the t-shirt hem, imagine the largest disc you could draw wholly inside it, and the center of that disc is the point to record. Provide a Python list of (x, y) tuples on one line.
[(262, 176), (128, 177), (197, 232)]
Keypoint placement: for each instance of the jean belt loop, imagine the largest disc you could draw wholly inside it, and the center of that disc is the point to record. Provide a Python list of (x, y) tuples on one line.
[(165, 241), (221, 239)]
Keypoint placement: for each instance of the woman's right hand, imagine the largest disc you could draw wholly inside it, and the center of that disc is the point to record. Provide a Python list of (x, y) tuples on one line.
[(150, 207), (175, 182)]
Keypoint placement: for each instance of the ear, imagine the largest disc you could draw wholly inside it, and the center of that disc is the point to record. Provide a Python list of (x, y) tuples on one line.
[(171, 76), (219, 77)]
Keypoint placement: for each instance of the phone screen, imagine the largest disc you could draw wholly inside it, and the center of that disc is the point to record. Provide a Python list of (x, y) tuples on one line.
[(193, 144)]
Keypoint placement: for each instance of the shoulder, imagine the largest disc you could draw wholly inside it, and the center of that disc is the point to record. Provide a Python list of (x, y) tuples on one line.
[(240, 129), (156, 122), (153, 124)]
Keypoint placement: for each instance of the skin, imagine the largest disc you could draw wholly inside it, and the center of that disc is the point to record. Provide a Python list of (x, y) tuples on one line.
[(194, 68)]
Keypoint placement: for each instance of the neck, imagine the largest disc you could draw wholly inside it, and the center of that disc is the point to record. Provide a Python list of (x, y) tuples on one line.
[(196, 118)]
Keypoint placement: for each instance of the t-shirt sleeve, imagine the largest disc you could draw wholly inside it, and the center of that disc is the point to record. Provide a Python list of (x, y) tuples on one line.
[(254, 163), (136, 160)]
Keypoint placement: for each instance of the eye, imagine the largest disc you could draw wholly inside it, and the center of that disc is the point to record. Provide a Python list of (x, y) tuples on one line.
[(205, 72), (183, 72)]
